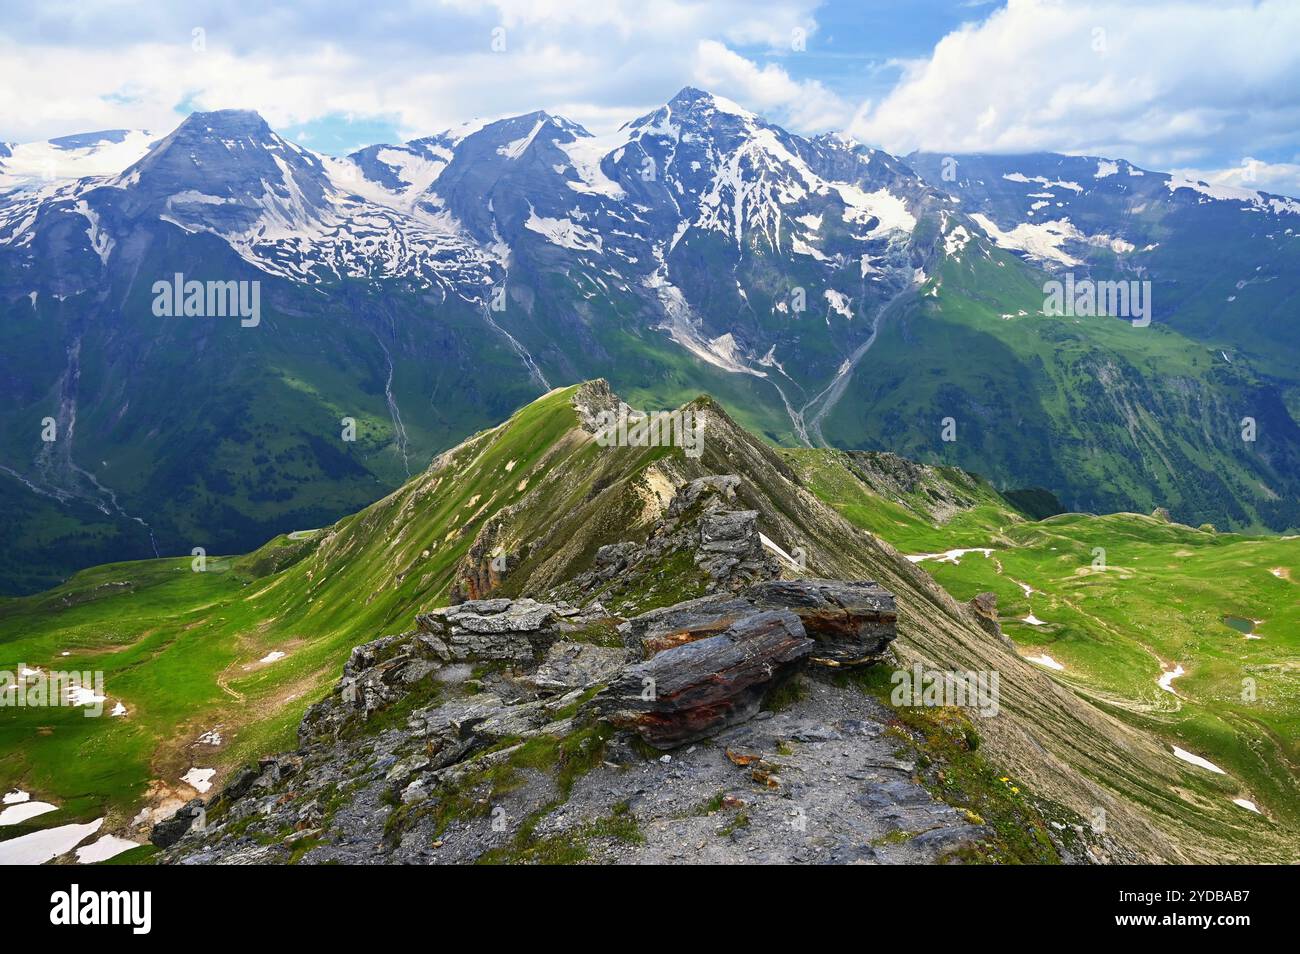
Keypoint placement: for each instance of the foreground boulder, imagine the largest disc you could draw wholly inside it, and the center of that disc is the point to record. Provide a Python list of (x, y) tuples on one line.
[(512, 632), (851, 622), (688, 692)]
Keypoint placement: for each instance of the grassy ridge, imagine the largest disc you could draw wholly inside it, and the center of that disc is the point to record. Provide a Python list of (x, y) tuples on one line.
[(181, 649)]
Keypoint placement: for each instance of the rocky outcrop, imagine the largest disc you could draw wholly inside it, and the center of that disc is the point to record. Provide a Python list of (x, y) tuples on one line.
[(688, 692), (985, 608), (571, 665), (169, 832), (499, 629), (701, 519), (377, 674), (484, 566), (414, 760), (852, 623)]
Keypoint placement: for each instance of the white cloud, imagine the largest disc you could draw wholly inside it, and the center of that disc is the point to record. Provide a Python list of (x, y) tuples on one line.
[(422, 66), (1282, 178), (1163, 83), (768, 90)]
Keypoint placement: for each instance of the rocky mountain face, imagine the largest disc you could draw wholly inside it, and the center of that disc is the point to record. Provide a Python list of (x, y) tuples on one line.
[(1221, 259), (834, 294)]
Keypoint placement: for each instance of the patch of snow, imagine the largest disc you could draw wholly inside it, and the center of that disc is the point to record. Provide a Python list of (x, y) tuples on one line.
[(1033, 620), (200, 779), (99, 240), (16, 796), (1041, 240), (41, 846), (1117, 245), (103, 848), (1247, 804), (949, 556), (1041, 180), (1257, 201), (416, 171), (272, 656), (513, 150), (1197, 760), (840, 303), (83, 696), (1105, 168), (1046, 660), (1167, 678), (585, 154), (889, 209), (956, 240), (32, 164), (800, 247), (775, 548), (564, 233), (25, 810)]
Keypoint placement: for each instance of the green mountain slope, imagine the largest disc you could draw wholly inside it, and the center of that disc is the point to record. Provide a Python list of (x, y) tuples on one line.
[(1106, 415), (239, 431)]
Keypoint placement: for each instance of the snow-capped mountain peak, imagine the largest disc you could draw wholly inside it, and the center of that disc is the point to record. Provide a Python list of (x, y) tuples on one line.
[(32, 165)]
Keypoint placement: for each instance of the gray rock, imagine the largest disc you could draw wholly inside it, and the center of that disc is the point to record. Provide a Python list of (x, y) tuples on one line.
[(515, 631), (852, 622), (575, 666), (166, 833)]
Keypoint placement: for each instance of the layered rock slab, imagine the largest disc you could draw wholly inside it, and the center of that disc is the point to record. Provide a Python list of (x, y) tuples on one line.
[(693, 690), (852, 622)]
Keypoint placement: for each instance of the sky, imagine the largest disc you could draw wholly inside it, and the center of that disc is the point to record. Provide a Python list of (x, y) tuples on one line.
[(1205, 87)]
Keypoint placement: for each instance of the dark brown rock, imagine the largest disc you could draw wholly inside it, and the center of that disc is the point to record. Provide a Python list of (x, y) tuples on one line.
[(661, 629), (852, 622), (985, 608), (695, 689)]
